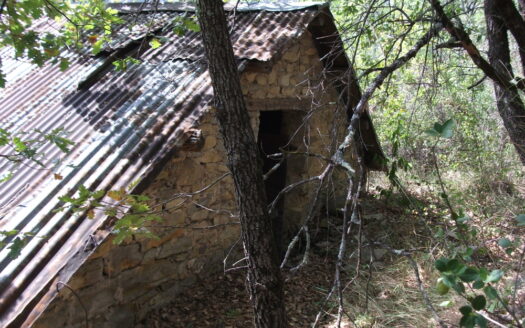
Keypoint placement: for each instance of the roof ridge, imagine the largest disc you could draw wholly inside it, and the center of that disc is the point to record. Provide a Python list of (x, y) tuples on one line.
[(139, 6)]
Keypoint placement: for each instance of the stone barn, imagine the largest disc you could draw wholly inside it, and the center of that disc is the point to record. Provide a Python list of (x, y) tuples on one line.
[(151, 130)]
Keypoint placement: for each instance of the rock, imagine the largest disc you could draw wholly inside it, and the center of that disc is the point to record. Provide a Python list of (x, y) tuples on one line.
[(261, 79), (272, 77), (290, 91), (274, 91), (199, 216), (177, 246), (250, 76), (209, 142), (260, 93), (311, 51), (292, 54), (284, 80), (379, 253)]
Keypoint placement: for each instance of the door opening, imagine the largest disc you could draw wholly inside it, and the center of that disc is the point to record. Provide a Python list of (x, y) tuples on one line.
[(271, 138)]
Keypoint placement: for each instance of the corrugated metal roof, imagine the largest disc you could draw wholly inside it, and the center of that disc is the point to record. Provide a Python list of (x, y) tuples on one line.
[(122, 126)]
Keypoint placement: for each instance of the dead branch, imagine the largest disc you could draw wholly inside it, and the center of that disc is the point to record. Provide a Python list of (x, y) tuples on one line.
[(304, 228), (502, 78), (477, 83), (449, 45), (338, 157)]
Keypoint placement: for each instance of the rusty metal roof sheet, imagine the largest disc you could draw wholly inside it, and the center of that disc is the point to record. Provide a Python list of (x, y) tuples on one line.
[(124, 125)]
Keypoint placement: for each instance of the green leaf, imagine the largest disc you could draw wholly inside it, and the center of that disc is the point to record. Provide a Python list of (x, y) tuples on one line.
[(495, 276), (455, 266), (469, 275), (521, 220), (458, 287), (64, 64), (432, 132), (449, 280), (16, 246), (483, 274), (468, 321), (155, 43), (98, 194), (491, 292), (463, 219), (120, 236), (504, 242), (6, 176), (9, 233), (448, 129), (478, 284), (465, 310), (442, 288), (441, 264), (481, 321), (479, 302)]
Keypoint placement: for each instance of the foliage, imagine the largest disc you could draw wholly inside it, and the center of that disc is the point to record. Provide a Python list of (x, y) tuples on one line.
[(465, 160), (132, 211)]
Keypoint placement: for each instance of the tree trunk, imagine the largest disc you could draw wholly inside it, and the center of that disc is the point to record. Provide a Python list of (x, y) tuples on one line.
[(509, 103), (264, 282)]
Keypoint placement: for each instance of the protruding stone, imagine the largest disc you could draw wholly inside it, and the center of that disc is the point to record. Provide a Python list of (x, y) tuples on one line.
[(250, 76), (284, 80), (272, 77), (292, 54), (209, 142), (262, 79), (274, 91), (260, 94), (311, 51), (199, 216), (289, 91)]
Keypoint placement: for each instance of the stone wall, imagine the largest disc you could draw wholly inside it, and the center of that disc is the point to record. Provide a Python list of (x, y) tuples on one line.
[(120, 284)]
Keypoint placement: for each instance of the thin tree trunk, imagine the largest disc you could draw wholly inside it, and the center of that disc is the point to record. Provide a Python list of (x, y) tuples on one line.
[(509, 103), (264, 282)]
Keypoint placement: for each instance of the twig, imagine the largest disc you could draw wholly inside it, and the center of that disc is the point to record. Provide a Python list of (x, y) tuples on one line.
[(225, 260), (491, 320), (477, 83), (500, 77), (338, 157), (78, 298), (449, 45), (413, 263)]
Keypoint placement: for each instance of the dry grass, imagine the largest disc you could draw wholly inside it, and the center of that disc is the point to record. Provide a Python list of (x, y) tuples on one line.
[(383, 295)]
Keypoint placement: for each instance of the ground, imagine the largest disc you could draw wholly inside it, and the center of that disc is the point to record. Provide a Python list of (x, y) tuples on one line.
[(386, 293)]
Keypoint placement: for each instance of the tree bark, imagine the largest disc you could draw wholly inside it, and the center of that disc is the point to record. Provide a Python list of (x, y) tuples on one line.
[(264, 282), (512, 19), (498, 68), (508, 101)]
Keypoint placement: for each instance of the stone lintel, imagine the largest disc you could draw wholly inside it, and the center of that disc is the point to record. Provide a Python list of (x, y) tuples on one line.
[(288, 103)]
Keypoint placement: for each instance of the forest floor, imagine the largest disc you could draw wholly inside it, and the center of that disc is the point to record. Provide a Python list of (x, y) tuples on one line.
[(385, 293)]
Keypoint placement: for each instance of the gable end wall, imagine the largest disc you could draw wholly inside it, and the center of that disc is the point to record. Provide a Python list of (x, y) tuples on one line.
[(120, 284)]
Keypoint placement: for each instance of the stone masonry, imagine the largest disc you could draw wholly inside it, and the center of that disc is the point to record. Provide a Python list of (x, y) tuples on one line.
[(119, 284)]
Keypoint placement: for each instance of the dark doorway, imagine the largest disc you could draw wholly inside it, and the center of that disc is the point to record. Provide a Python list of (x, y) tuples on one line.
[(271, 138)]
